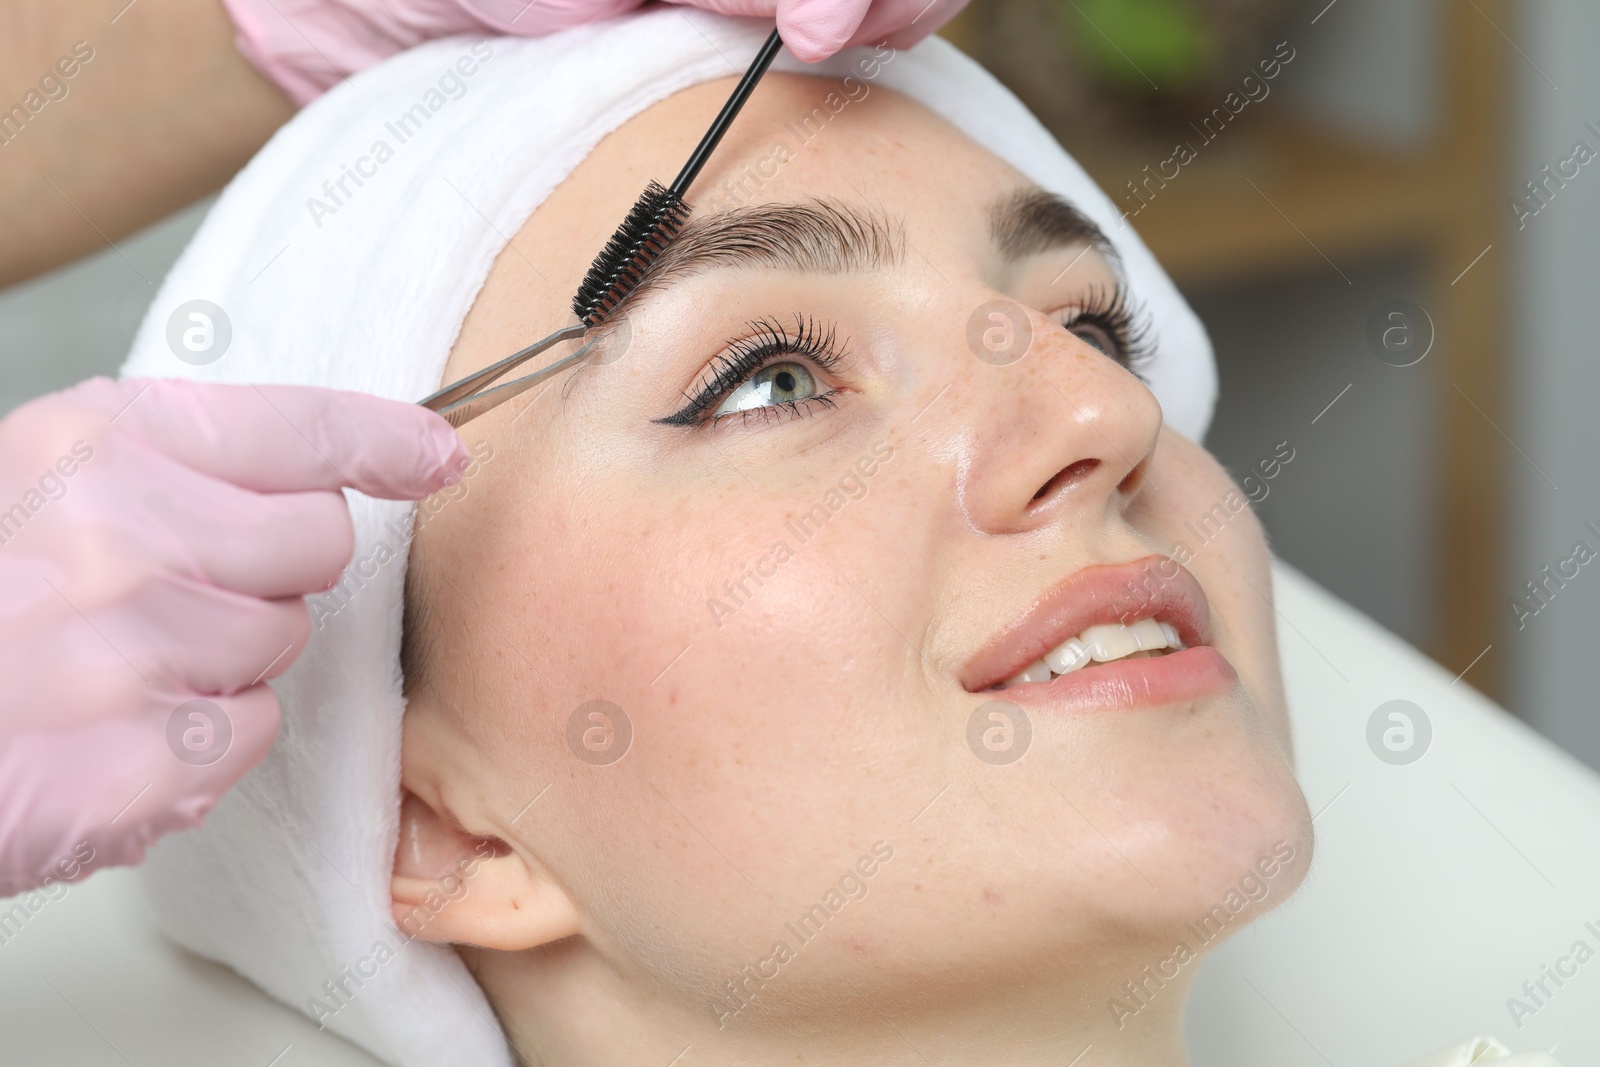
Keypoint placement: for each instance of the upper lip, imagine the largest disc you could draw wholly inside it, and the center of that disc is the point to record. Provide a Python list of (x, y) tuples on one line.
[(1155, 587)]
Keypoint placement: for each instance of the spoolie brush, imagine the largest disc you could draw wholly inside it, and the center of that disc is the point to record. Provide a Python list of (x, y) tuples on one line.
[(655, 220), (659, 214)]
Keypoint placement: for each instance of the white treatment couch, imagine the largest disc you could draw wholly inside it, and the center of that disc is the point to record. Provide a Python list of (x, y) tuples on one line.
[(1438, 889)]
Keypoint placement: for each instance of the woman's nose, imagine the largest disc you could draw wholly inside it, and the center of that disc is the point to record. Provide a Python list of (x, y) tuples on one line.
[(1061, 426)]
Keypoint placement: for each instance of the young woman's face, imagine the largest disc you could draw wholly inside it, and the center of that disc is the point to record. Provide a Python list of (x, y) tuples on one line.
[(819, 499)]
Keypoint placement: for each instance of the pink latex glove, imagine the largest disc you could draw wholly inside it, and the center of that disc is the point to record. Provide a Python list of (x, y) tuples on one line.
[(156, 541), (305, 47), (815, 29)]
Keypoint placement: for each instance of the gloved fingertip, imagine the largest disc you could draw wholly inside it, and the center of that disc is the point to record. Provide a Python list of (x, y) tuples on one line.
[(806, 49), (452, 475), (814, 31), (450, 454)]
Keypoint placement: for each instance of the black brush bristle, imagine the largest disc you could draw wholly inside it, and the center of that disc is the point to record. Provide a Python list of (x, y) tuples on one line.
[(655, 220), (659, 213)]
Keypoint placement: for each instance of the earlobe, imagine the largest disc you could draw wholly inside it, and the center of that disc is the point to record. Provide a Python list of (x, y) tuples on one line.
[(452, 886)]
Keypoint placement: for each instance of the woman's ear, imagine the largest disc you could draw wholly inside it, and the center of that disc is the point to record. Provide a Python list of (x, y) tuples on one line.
[(451, 886)]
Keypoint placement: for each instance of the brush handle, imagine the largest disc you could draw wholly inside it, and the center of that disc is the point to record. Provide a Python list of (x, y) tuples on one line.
[(741, 93)]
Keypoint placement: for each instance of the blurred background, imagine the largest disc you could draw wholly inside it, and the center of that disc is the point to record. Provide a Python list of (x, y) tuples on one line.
[(1383, 212)]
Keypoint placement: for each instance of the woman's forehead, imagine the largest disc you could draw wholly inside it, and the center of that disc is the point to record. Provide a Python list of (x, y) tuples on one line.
[(798, 137), (881, 152)]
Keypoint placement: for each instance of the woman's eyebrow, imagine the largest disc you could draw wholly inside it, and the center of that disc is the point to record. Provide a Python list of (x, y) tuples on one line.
[(814, 236), (1030, 220), (834, 237)]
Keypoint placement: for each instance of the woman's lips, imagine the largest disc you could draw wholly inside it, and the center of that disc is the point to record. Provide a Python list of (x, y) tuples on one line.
[(1156, 587), (1174, 678)]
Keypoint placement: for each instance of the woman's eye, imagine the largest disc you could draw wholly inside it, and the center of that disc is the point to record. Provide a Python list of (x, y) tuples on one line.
[(775, 370), (776, 383), (1111, 323), (1092, 333)]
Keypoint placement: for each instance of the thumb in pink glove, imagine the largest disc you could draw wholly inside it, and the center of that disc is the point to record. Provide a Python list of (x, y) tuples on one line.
[(305, 47), (156, 541), (815, 29)]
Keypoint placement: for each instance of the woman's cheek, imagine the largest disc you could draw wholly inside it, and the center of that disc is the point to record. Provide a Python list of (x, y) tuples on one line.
[(783, 622)]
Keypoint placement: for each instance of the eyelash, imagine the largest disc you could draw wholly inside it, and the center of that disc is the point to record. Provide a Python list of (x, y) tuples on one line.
[(1126, 322), (768, 338)]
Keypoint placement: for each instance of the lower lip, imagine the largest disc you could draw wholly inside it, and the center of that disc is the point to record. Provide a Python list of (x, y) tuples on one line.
[(1174, 678)]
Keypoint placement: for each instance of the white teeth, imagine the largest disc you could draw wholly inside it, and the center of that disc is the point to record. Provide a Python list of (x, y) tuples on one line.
[(1068, 657), (1033, 672), (1100, 644), (1149, 634), (1174, 642), (1110, 641)]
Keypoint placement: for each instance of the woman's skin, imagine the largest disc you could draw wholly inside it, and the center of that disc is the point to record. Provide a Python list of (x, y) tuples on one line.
[(777, 744)]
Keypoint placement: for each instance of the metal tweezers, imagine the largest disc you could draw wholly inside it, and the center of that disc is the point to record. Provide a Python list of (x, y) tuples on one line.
[(462, 401)]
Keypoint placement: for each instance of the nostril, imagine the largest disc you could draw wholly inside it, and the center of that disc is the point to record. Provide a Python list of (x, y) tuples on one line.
[(1130, 485), (1065, 478)]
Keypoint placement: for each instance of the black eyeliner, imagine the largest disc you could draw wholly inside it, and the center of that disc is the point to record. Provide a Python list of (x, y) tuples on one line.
[(743, 356), (1127, 323)]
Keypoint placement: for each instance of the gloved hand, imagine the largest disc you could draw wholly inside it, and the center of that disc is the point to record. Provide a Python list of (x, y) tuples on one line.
[(156, 540), (305, 47), (815, 29)]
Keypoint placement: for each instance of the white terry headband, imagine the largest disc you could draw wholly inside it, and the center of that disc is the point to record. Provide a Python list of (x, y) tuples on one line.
[(346, 254)]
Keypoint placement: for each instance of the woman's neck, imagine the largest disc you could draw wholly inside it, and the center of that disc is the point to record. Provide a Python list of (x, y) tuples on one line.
[(565, 1007)]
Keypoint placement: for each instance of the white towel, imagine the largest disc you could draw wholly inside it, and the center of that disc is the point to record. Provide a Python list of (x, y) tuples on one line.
[(453, 145)]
